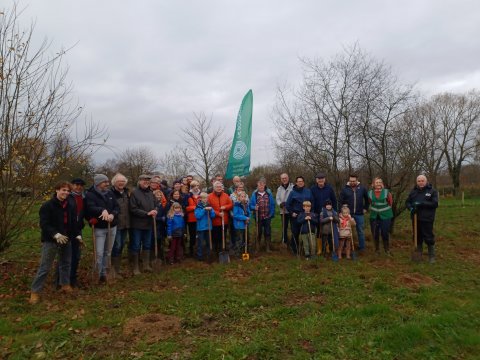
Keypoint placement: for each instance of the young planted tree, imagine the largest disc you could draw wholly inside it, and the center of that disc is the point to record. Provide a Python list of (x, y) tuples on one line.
[(40, 135)]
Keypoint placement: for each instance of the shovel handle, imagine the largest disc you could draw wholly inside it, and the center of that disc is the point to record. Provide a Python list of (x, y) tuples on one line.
[(415, 229), (333, 236), (155, 237)]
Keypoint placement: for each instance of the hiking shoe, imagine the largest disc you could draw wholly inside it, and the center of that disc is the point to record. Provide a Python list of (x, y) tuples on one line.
[(431, 260), (388, 253), (34, 298), (102, 279)]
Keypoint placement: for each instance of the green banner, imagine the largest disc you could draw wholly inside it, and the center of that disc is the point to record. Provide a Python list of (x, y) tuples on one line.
[(239, 159)]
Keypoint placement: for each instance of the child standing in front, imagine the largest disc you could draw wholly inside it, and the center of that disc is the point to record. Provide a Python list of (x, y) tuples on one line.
[(345, 231), (328, 222), (241, 218), (202, 213), (308, 223), (175, 232)]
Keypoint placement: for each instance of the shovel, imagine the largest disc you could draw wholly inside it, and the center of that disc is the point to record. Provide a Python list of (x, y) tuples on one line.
[(257, 240), (334, 253), (416, 255), (110, 273), (313, 251), (354, 253), (94, 240), (223, 256), (156, 263), (210, 253), (246, 255)]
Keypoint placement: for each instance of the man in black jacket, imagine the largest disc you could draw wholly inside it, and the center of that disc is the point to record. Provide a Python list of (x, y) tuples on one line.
[(423, 200), (58, 230)]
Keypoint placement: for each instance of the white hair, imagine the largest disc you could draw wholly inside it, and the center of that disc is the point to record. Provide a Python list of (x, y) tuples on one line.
[(117, 177)]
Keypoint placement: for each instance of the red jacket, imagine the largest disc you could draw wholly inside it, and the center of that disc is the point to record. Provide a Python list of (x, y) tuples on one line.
[(216, 202), (192, 204)]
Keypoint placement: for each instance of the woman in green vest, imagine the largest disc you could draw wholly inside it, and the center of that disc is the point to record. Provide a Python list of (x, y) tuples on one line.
[(381, 214)]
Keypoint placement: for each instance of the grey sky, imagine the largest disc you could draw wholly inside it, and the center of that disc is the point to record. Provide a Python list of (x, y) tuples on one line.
[(143, 67)]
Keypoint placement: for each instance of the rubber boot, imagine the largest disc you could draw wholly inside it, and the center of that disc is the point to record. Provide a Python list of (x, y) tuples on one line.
[(268, 244), (116, 261), (377, 246), (319, 246), (431, 254), (146, 261), (34, 298), (133, 261)]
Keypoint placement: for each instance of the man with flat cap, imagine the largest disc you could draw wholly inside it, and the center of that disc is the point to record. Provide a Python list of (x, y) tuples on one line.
[(143, 205), (77, 196)]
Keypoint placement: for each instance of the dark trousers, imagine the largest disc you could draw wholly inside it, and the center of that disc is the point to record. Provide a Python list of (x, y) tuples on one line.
[(425, 233), (192, 235), (217, 237), (286, 220), (379, 226), (296, 227)]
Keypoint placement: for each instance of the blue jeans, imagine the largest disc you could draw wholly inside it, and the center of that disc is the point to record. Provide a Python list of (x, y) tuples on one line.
[(140, 238), (49, 252), (104, 248), (203, 241), (120, 238), (360, 220)]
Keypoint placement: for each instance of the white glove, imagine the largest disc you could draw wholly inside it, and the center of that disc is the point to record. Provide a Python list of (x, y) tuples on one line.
[(60, 239), (80, 241)]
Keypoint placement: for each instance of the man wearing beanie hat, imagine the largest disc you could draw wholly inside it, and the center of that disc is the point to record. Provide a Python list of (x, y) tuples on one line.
[(101, 211)]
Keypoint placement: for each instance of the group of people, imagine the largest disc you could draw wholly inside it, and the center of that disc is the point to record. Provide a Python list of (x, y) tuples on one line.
[(168, 223)]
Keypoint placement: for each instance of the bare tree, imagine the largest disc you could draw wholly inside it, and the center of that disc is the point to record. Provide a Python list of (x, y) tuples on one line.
[(206, 149), (40, 137), (458, 118), (134, 162), (174, 164)]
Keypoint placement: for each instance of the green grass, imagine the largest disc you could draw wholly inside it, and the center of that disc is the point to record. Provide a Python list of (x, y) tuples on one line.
[(272, 307)]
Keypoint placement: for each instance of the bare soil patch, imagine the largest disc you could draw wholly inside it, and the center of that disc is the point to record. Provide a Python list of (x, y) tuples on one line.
[(415, 280), (472, 255), (300, 299), (152, 327), (238, 274)]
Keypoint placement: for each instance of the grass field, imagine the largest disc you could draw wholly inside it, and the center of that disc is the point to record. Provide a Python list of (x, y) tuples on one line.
[(271, 307)]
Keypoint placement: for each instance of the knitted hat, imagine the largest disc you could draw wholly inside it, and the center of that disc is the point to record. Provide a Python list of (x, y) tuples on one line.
[(99, 178), (328, 202)]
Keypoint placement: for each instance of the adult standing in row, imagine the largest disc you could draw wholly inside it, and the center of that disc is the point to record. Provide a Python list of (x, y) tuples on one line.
[(102, 211), (221, 204), (381, 214), (57, 224), (190, 214), (294, 206), (263, 205), (143, 208), (355, 196), (119, 189), (283, 192), (423, 201), (322, 192), (77, 196)]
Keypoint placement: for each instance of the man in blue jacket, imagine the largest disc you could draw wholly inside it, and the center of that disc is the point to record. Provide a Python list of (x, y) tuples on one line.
[(356, 197), (322, 192), (294, 206)]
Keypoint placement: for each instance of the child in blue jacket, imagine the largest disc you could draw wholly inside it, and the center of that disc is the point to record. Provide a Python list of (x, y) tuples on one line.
[(175, 232), (204, 224), (241, 218)]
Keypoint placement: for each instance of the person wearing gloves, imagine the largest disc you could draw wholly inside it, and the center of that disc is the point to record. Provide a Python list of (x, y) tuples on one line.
[(102, 210), (77, 196), (423, 200), (58, 229), (283, 192)]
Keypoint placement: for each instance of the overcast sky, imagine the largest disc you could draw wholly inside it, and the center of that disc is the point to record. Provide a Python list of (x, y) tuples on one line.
[(143, 67)]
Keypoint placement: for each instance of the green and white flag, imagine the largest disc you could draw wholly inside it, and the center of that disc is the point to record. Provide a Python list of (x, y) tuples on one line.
[(239, 159)]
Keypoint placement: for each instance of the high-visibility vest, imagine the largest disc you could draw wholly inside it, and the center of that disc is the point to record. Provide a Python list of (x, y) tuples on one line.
[(379, 206)]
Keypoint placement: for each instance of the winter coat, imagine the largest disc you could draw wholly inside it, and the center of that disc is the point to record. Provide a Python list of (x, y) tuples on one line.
[(176, 225), (321, 195), (297, 197), (271, 203), (123, 200), (95, 203), (202, 217), (325, 221), (282, 196), (142, 201), (425, 201), (52, 220), (161, 217), (304, 223), (356, 198), (78, 201), (190, 208), (345, 226), (241, 213), (216, 202)]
